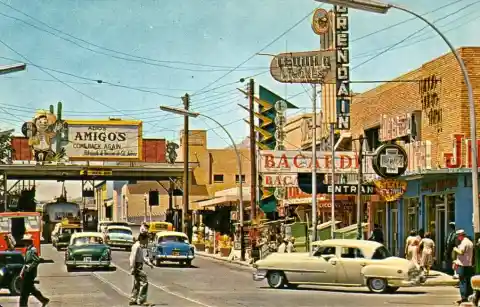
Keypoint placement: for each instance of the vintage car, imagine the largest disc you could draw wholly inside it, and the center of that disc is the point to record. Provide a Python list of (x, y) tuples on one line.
[(156, 227), (340, 262), (61, 238), (172, 246), (119, 236), (87, 249), (11, 263), (102, 225)]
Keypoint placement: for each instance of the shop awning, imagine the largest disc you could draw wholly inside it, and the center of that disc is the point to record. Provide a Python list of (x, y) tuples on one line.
[(228, 200)]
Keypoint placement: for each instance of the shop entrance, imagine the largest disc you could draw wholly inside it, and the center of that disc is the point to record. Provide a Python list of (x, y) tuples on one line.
[(394, 229)]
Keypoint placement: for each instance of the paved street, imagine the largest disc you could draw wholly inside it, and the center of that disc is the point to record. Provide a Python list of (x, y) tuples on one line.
[(209, 283)]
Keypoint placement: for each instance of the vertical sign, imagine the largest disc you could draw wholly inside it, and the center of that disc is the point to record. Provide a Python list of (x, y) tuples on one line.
[(342, 69)]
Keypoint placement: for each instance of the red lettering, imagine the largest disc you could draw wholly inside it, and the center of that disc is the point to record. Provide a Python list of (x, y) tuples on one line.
[(345, 161), (283, 161), (268, 179), (328, 162), (457, 153), (299, 161), (469, 152), (269, 161)]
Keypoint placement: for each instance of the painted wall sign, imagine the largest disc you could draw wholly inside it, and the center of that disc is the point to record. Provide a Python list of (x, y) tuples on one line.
[(429, 89), (394, 127), (390, 161), (390, 189), (342, 42), (461, 153), (419, 155), (104, 140), (320, 21), (303, 67), (291, 161)]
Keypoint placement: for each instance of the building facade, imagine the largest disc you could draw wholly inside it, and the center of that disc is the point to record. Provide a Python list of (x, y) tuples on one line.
[(427, 111)]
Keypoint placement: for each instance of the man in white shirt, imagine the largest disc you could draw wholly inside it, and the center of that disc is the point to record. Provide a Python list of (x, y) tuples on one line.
[(138, 257), (465, 268), (282, 247), (291, 245)]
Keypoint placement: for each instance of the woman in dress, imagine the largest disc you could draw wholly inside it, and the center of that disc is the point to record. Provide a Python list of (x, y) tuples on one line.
[(410, 239), (428, 248), (413, 252)]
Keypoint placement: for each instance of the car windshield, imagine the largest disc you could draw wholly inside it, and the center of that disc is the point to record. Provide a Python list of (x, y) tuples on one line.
[(381, 253), (88, 240), (120, 231), (172, 239)]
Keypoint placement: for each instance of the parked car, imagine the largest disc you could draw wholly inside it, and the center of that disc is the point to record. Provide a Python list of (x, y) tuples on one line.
[(172, 246), (87, 249), (61, 238), (11, 263), (119, 236), (102, 225), (340, 262)]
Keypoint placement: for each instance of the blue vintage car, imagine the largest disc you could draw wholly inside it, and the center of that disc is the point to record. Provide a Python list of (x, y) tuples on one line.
[(172, 246)]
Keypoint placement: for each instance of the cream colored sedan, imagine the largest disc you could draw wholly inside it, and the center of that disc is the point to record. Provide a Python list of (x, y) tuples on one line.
[(340, 262)]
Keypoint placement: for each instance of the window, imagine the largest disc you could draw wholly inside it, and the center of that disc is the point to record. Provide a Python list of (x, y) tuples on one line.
[(236, 179), (381, 253), (351, 252), (217, 178), (372, 136), (325, 250)]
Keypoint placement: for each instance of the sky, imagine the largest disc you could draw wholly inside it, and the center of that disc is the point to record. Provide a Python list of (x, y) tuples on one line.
[(148, 53)]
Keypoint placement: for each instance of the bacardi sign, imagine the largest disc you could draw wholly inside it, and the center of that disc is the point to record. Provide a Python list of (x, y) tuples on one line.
[(291, 161), (279, 180)]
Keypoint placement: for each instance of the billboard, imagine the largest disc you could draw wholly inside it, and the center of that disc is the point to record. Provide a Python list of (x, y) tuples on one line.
[(104, 140)]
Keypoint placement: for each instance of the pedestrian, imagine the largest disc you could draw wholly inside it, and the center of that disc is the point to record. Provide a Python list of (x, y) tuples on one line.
[(291, 245), (282, 247), (140, 282), (427, 245), (377, 234), (413, 253), (410, 239), (28, 275), (465, 269), (449, 245)]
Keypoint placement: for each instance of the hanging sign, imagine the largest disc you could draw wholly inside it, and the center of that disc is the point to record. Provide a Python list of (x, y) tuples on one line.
[(320, 22), (390, 189), (390, 161)]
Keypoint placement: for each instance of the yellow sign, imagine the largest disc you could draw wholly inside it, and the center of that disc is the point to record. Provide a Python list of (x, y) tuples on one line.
[(320, 22), (91, 172), (391, 189)]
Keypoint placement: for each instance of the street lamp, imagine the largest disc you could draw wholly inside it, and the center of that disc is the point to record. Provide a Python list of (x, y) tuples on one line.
[(382, 8), (145, 197), (239, 164), (7, 69)]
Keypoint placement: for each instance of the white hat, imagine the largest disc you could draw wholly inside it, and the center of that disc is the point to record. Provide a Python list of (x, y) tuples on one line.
[(460, 231), (451, 223)]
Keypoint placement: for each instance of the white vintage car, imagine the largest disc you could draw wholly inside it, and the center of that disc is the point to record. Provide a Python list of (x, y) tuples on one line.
[(340, 262)]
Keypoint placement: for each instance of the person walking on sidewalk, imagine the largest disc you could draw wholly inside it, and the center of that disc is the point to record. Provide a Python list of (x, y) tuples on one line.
[(449, 245), (138, 258), (465, 266), (28, 274), (427, 245)]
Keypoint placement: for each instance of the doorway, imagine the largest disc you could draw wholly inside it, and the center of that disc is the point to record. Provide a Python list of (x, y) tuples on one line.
[(394, 230), (440, 233)]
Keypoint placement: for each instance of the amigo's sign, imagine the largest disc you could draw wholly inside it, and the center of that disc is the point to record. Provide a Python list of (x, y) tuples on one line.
[(104, 140), (292, 161)]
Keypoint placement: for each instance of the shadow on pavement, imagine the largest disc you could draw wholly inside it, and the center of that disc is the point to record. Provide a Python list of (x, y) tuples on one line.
[(47, 261), (176, 265), (109, 269), (345, 290)]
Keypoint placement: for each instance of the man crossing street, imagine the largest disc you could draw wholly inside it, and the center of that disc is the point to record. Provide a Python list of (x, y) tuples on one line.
[(28, 274), (138, 257)]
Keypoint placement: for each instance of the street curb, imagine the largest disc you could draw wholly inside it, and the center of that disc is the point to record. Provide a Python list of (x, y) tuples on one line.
[(226, 261)]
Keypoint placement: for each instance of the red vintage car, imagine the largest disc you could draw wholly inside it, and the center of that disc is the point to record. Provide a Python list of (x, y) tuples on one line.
[(24, 227)]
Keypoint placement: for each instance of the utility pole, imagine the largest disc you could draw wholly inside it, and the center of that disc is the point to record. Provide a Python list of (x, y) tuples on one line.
[(186, 192), (359, 189), (332, 143), (253, 151), (314, 164)]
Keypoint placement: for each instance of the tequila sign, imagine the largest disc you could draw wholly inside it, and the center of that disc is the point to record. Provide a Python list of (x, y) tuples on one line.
[(390, 161)]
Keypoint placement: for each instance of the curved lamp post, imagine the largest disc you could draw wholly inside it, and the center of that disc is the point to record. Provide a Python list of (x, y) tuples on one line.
[(383, 8), (239, 164)]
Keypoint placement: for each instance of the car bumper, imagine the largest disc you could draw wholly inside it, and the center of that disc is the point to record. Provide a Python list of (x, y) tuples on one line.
[(418, 281), (120, 244), (62, 244), (259, 275), (174, 258), (88, 263)]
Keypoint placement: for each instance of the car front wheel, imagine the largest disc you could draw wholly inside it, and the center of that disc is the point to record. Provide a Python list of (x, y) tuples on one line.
[(276, 279), (15, 285), (377, 285)]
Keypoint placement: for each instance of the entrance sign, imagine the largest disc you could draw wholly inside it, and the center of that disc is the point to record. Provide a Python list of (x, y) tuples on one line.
[(292, 161), (342, 67), (104, 140), (347, 189), (303, 67), (390, 161), (320, 22), (390, 189)]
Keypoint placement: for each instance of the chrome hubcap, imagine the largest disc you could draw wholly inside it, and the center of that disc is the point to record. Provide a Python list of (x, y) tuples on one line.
[(275, 279), (378, 284)]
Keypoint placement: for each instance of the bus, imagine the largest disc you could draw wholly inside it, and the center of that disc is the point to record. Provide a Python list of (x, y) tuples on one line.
[(56, 212), (23, 227)]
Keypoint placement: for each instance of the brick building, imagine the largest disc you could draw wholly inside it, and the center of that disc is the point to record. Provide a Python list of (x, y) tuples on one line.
[(427, 110)]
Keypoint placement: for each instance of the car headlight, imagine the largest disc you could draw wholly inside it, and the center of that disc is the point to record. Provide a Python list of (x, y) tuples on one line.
[(68, 255), (106, 255), (192, 251)]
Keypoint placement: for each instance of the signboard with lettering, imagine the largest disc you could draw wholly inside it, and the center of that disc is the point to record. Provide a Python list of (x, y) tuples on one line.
[(279, 180), (104, 140), (390, 189), (461, 154), (419, 155), (342, 67), (303, 67), (390, 161), (292, 161), (96, 172), (320, 22), (394, 127)]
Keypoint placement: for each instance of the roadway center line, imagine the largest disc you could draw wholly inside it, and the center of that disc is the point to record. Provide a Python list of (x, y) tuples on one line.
[(117, 289), (165, 289)]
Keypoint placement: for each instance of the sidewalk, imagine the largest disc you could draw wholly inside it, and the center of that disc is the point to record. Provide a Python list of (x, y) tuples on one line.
[(435, 279)]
